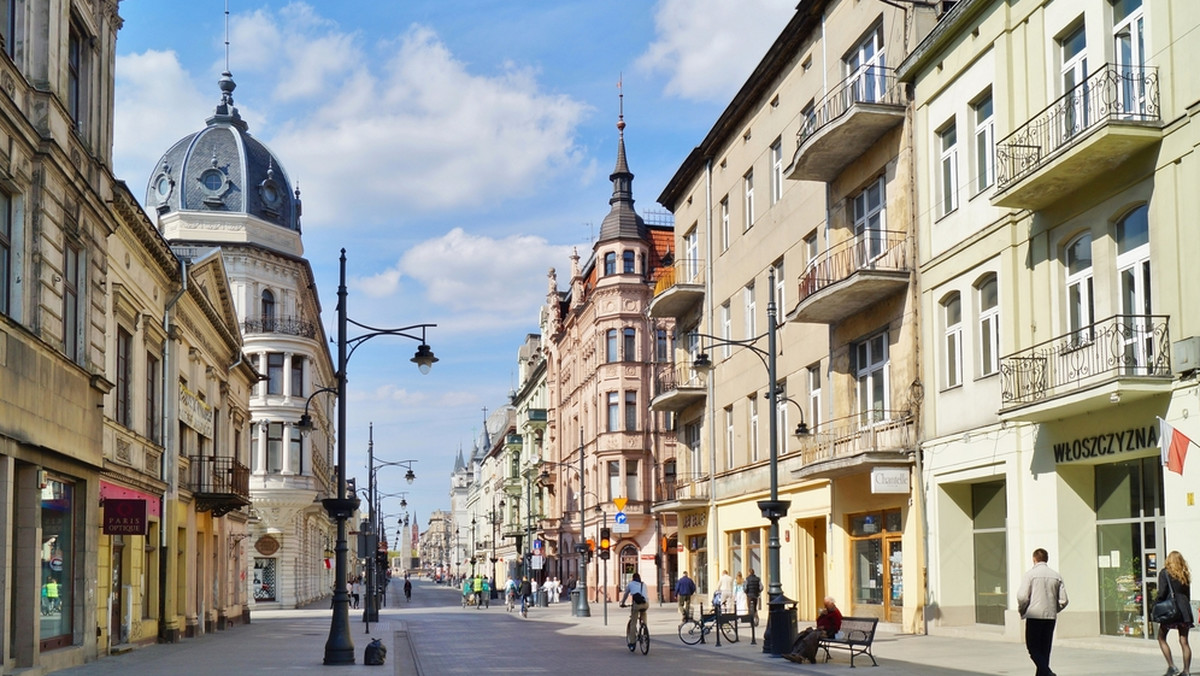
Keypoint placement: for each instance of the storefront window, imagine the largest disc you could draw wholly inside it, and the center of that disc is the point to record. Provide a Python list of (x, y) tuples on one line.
[(698, 547), (264, 579), (877, 564), (58, 561), (735, 552), (1129, 513), (989, 508), (755, 553)]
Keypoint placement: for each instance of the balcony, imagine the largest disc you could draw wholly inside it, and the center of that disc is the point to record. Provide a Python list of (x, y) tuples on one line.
[(1120, 359), (676, 387), (846, 123), (219, 485), (678, 290), (1080, 137), (848, 445), (852, 275), (682, 492), (290, 326)]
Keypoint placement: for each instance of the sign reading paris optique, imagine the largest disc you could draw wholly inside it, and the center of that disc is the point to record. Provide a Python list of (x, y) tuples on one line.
[(125, 517)]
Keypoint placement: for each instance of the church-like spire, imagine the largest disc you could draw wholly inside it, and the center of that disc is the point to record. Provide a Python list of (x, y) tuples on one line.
[(622, 222)]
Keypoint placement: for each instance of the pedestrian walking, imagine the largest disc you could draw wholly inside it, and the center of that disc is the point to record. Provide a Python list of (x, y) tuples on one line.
[(753, 592), (1174, 582), (684, 589), (724, 593), (1040, 598)]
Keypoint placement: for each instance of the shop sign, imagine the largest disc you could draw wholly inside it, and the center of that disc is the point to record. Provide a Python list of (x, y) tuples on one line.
[(890, 480), (125, 517), (267, 545), (194, 412), (1101, 445)]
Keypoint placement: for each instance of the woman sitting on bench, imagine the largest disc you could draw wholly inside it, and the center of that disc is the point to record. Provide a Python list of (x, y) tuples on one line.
[(829, 622)]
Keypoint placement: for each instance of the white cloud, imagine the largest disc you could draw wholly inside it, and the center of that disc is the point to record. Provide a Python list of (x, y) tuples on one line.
[(161, 105), (704, 48), (483, 280)]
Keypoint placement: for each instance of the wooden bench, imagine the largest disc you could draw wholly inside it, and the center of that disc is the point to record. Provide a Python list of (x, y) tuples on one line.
[(856, 635)]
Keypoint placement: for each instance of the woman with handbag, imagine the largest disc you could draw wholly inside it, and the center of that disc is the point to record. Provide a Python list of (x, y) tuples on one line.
[(1174, 588)]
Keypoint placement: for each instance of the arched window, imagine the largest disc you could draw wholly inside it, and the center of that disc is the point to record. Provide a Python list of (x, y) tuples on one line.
[(988, 302), (952, 324), (610, 263), (628, 262), (268, 310), (1080, 303)]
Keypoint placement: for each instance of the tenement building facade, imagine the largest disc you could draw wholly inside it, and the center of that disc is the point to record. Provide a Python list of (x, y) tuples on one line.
[(1057, 200)]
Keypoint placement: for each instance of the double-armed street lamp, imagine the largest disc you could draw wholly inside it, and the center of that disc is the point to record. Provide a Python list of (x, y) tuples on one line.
[(339, 647), (374, 576), (773, 509)]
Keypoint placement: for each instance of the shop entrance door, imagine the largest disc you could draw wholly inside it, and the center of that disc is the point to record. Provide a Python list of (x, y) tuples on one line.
[(1129, 544), (115, 634), (878, 565)]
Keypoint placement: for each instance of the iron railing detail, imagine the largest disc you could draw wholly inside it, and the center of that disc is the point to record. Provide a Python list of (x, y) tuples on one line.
[(292, 326), (871, 431), (1120, 346), (873, 84), (1111, 93), (875, 250)]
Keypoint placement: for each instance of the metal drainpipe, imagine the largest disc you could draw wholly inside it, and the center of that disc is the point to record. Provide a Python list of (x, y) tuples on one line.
[(166, 464), (713, 522)]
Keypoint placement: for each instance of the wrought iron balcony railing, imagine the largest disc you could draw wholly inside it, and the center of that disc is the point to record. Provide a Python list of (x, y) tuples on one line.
[(683, 487), (219, 484), (292, 326), (671, 377), (1120, 346), (874, 84), (872, 431), (1113, 92), (883, 250)]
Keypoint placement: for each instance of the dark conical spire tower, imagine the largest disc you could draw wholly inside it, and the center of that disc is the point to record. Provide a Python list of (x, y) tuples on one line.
[(622, 222)]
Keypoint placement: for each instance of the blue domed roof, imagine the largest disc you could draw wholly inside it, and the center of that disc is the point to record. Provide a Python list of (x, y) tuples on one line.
[(222, 168)]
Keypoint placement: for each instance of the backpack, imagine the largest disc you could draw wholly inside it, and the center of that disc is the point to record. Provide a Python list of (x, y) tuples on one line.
[(639, 599)]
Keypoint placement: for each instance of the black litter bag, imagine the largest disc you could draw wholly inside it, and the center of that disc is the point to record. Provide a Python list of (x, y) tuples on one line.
[(375, 653)]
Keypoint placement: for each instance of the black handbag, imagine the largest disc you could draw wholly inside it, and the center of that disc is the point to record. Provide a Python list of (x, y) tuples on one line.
[(1165, 611)]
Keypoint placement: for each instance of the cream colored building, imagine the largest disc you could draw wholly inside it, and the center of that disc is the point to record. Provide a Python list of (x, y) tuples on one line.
[(799, 203), (1057, 195)]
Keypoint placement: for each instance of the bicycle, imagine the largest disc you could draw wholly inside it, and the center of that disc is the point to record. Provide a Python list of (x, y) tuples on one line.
[(640, 632), (693, 631), (510, 601)]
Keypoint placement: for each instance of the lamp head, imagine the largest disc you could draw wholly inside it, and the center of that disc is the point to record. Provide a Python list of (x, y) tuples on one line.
[(408, 476), (305, 425), (424, 359), (403, 503), (802, 429), (702, 363)]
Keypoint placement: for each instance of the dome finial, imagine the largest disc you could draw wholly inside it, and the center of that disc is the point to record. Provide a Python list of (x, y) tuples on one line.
[(621, 104)]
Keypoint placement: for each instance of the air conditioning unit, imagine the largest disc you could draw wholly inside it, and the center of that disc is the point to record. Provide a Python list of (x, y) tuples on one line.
[(1185, 355)]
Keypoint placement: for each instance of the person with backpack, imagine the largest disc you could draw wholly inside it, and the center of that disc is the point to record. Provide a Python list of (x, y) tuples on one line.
[(753, 590), (637, 590), (684, 589)]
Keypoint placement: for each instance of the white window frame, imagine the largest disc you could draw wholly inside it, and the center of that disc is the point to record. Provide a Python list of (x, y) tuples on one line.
[(1129, 49), (753, 410), (948, 168), (989, 326), (613, 409), (810, 248), (871, 377), (726, 328), (983, 112), (730, 447), (748, 181), (725, 236), (780, 289), (952, 340), (1134, 274), (814, 396), (691, 255), (782, 431), (776, 170), (751, 309), (1074, 74), (870, 221), (692, 434), (863, 68), (1080, 295)]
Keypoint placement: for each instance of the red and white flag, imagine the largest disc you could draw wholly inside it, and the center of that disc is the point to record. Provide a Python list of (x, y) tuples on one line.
[(1174, 445)]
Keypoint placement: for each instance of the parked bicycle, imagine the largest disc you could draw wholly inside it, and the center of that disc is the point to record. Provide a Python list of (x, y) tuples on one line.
[(693, 631), (636, 628)]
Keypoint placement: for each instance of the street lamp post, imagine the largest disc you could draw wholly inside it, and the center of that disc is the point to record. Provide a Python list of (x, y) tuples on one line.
[(371, 608), (339, 647), (779, 618)]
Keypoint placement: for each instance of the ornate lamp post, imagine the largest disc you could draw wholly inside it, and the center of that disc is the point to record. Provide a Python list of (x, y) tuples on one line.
[(371, 607), (579, 605), (773, 509), (339, 648)]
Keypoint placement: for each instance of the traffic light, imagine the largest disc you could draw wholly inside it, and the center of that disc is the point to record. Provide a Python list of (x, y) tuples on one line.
[(351, 487), (605, 542), (591, 548)]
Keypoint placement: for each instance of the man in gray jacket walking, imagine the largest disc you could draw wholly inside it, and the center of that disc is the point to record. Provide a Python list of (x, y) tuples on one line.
[(1041, 596)]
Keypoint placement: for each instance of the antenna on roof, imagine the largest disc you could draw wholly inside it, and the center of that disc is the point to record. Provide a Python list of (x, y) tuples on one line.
[(226, 36)]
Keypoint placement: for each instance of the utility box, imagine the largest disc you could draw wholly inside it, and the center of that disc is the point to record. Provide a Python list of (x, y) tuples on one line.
[(1185, 355)]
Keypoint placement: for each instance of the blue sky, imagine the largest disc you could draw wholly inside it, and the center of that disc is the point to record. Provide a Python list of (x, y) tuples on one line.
[(457, 149)]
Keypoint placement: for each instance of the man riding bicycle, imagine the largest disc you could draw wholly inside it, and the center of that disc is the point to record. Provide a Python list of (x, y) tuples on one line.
[(637, 589)]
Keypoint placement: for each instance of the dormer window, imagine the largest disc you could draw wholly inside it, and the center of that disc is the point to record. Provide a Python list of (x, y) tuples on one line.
[(610, 263), (628, 262)]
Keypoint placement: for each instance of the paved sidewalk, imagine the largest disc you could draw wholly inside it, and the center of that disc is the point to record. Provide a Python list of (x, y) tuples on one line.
[(425, 638)]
